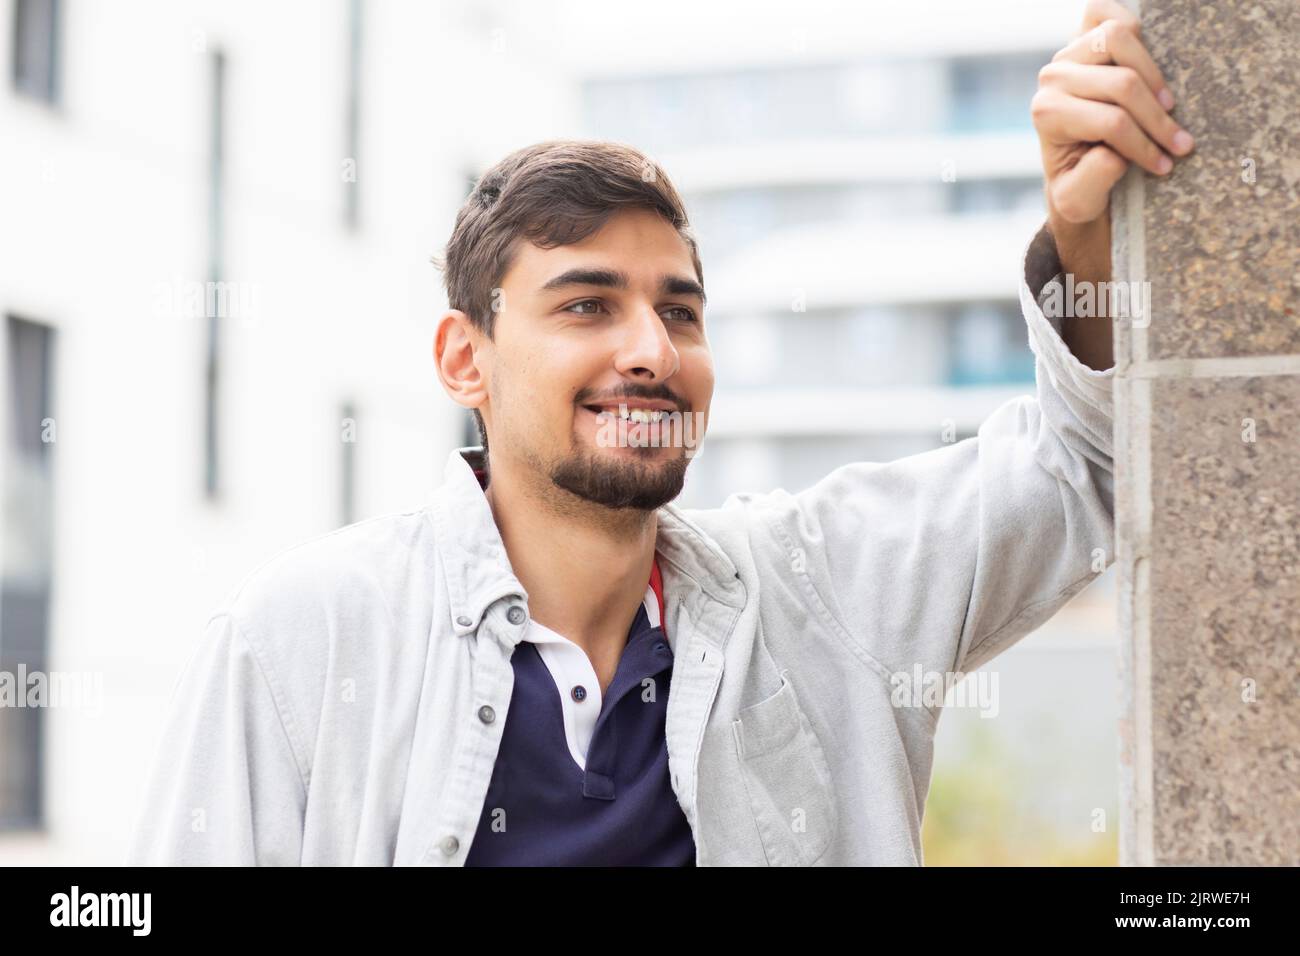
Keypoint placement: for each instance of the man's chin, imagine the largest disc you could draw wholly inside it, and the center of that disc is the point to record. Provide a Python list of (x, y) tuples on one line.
[(640, 479)]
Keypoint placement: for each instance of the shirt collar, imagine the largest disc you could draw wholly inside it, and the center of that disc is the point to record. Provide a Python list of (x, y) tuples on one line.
[(538, 633)]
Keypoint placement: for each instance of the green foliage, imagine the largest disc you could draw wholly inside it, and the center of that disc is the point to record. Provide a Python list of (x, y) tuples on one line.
[(976, 816)]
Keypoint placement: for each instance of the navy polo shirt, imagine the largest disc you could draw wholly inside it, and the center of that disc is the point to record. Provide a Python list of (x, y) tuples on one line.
[(545, 809)]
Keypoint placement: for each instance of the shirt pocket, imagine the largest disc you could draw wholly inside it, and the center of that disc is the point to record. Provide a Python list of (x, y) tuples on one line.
[(787, 778)]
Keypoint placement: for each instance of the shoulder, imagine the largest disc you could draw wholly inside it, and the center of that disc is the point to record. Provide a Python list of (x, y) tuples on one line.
[(333, 607), (335, 581)]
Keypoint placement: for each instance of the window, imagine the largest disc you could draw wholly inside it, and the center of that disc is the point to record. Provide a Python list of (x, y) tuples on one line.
[(27, 569), (348, 463), (216, 223), (989, 346), (352, 122), (1019, 194), (36, 48), (992, 93)]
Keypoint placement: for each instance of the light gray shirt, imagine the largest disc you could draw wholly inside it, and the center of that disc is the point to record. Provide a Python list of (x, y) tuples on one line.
[(345, 705)]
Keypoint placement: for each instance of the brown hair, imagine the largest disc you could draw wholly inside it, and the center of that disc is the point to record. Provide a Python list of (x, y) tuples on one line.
[(553, 193)]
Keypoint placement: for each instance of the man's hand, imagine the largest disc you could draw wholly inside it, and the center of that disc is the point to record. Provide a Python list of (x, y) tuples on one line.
[(1101, 104)]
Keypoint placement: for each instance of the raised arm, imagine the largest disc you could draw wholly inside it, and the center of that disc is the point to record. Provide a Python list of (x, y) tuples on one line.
[(1101, 104), (947, 558)]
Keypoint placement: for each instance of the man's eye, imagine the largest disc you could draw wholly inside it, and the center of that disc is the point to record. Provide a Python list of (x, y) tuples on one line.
[(686, 315), (577, 305)]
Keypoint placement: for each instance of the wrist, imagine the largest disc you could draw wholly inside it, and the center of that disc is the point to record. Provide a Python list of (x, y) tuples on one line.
[(1082, 248)]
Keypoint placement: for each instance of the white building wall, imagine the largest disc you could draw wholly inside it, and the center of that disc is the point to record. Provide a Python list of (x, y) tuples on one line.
[(105, 212)]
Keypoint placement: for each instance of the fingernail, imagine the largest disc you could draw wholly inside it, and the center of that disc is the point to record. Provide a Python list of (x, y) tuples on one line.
[(1164, 164), (1183, 142), (1166, 98)]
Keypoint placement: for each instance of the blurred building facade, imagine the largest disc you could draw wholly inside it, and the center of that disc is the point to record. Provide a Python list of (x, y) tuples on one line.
[(219, 303), (219, 306)]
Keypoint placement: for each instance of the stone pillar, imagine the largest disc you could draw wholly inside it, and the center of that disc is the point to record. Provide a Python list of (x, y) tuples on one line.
[(1208, 449)]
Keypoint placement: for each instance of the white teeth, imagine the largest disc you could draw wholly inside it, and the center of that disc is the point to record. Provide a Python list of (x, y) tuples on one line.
[(639, 416)]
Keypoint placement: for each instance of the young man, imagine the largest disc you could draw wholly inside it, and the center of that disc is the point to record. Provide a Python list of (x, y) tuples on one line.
[(552, 664)]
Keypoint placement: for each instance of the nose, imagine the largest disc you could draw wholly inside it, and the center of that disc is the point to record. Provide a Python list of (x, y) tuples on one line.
[(647, 352)]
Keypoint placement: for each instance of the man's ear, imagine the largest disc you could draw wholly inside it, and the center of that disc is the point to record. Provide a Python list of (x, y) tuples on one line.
[(457, 349)]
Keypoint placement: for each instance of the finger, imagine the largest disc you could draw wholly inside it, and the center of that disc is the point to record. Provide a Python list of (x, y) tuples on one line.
[(1099, 11), (1114, 42), (1063, 119), (1123, 86), (1080, 194)]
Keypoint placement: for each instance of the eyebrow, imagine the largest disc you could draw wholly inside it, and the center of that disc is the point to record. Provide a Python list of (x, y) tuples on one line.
[(614, 279)]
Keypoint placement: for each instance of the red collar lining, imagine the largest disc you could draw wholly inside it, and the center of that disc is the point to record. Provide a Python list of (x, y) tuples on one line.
[(657, 585)]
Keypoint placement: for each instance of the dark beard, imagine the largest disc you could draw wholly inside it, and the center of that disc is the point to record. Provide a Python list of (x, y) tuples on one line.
[(644, 486)]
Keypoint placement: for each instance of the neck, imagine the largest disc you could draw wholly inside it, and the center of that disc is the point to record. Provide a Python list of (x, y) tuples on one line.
[(585, 567)]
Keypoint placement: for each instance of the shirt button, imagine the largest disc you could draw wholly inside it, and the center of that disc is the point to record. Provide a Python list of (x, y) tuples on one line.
[(579, 693), (515, 615), (449, 846), (463, 621), (487, 714)]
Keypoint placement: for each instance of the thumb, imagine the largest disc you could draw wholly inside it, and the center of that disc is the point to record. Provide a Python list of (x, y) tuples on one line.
[(1081, 194)]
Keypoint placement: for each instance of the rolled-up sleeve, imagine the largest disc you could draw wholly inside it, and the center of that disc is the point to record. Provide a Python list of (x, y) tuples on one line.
[(946, 558), (228, 785)]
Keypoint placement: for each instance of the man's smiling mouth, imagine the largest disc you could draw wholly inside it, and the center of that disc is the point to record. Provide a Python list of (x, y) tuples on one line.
[(637, 412)]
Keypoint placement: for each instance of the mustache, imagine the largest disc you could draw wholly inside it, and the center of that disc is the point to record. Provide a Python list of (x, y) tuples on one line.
[(662, 393)]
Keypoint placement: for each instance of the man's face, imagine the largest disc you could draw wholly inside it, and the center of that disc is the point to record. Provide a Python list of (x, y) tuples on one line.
[(585, 329)]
